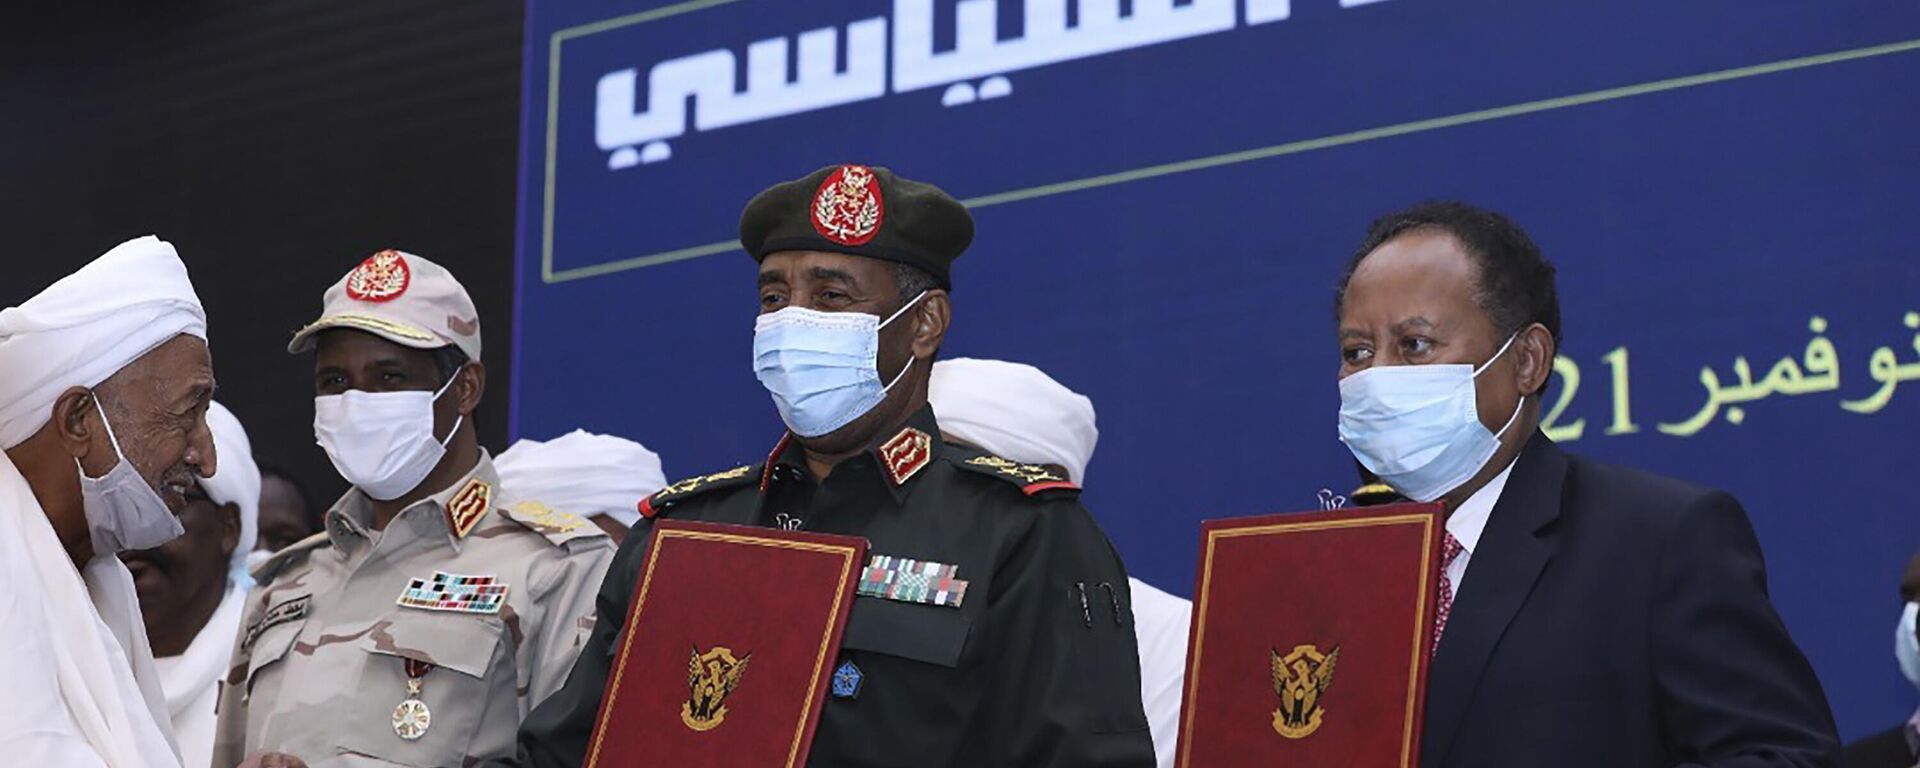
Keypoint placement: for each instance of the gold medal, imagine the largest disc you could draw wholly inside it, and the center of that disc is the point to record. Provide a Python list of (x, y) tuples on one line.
[(412, 718)]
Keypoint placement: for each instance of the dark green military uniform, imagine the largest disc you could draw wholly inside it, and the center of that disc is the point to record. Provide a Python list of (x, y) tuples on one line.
[(1037, 666)]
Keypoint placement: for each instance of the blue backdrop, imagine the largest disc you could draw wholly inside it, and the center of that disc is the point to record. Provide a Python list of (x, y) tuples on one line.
[(1165, 195)]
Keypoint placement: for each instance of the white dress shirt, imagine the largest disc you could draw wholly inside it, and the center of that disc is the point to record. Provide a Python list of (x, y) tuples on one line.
[(1467, 523)]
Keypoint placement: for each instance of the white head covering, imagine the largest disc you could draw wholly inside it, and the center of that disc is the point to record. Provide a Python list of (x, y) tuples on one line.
[(89, 325), (583, 473), (1022, 414), (1016, 411), (238, 481), (82, 688)]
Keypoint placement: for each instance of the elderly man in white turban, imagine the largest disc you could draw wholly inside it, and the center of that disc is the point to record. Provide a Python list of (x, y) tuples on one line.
[(193, 589), (598, 477), (103, 405), (1022, 414)]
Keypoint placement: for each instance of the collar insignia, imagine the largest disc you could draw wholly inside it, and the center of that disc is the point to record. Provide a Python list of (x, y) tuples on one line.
[(906, 454), (468, 506)]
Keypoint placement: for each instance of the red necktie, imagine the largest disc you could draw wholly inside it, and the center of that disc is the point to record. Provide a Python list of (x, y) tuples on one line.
[(1449, 551)]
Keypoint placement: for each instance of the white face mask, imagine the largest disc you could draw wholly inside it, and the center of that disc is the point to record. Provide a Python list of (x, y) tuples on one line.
[(382, 442), (123, 510), (1906, 647), (1418, 426)]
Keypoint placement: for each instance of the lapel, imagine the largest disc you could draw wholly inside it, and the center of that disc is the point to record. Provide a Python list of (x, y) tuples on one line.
[(1512, 552)]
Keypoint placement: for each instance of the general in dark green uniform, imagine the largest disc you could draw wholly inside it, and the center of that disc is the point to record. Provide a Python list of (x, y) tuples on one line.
[(1034, 664)]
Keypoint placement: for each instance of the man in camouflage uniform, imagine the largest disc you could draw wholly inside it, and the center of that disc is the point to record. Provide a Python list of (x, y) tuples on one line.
[(436, 608)]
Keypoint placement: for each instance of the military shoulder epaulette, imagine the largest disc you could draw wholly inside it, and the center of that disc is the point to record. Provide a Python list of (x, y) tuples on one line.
[(1033, 479), (559, 527), (652, 506), (289, 555)]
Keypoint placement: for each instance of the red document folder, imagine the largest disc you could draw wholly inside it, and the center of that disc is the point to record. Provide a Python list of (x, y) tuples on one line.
[(1310, 640), (727, 649)]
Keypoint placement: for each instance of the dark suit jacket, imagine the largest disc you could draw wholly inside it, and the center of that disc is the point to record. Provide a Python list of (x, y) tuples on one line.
[(1886, 749), (1617, 619)]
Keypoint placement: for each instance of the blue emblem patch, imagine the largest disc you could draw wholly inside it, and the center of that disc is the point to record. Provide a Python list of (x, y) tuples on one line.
[(846, 680)]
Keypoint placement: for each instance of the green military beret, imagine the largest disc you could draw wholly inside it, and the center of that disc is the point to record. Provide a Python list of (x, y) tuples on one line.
[(861, 211)]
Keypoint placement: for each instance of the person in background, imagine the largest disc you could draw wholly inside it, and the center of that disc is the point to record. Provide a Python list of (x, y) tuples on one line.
[(1590, 615), (105, 379), (192, 588), (599, 477), (287, 512), (1020, 413), (438, 606), (1899, 746)]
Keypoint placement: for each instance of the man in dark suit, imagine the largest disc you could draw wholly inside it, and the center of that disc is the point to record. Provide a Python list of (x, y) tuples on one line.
[(1590, 615), (1899, 746)]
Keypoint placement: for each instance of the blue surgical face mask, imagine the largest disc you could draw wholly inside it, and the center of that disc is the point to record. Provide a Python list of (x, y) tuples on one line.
[(821, 367), (1418, 426)]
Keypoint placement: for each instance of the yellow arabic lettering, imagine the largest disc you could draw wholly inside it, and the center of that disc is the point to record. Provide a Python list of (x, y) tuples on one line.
[(1884, 367)]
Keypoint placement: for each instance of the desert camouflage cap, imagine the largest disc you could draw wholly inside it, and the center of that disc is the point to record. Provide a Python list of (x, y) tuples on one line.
[(400, 297)]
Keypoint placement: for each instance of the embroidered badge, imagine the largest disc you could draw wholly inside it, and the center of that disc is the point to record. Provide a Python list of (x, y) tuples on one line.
[(1301, 679), (468, 506), (291, 610), (912, 581), (711, 677), (906, 454), (456, 593), (382, 277), (846, 680), (546, 519), (847, 208), (651, 505), (1033, 478)]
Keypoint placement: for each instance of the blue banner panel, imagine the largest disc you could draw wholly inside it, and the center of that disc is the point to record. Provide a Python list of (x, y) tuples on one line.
[(1166, 191)]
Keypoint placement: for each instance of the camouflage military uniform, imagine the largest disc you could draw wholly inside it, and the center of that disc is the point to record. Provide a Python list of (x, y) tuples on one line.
[(332, 635)]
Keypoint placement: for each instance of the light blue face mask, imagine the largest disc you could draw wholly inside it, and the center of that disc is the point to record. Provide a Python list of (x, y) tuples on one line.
[(822, 367), (1418, 426), (1906, 647)]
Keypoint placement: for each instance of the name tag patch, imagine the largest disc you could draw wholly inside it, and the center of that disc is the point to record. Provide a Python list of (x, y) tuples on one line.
[(291, 610)]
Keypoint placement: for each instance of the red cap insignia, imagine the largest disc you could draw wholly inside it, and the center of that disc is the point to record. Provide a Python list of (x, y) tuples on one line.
[(382, 277), (906, 454), (848, 207)]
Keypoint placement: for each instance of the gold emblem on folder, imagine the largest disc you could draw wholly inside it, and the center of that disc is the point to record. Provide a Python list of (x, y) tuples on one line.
[(711, 677), (1300, 679)]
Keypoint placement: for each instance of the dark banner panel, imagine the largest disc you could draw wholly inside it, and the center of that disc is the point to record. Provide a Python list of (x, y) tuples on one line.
[(1166, 192)]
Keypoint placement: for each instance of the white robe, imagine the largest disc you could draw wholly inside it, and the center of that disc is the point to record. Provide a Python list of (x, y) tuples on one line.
[(80, 689), (192, 679), (1160, 623)]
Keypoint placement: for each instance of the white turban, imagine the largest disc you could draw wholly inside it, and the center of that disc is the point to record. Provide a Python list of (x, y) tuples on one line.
[(583, 473), (238, 481), (86, 327), (1015, 411)]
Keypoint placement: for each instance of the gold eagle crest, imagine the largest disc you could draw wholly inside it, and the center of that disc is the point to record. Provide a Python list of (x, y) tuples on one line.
[(1300, 679), (711, 676)]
